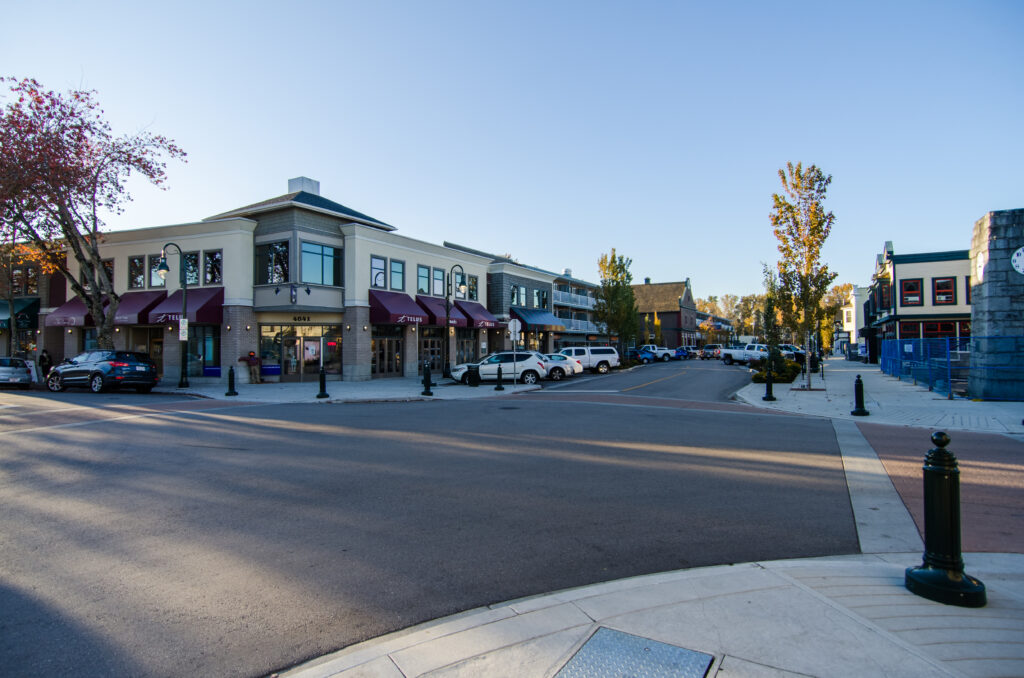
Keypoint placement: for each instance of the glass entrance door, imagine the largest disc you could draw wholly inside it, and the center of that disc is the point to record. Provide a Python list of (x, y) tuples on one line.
[(387, 357), (291, 349)]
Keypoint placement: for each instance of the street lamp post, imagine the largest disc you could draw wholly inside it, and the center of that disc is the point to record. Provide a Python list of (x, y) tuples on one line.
[(447, 374), (162, 270)]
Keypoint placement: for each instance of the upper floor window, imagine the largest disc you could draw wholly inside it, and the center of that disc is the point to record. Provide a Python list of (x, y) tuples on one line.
[(967, 286), (24, 280), (518, 295), (474, 288), (460, 286), (849, 316), (136, 273), (272, 263), (397, 275), (321, 264), (154, 271), (438, 282), (943, 291), (192, 267), (886, 298), (911, 293), (213, 267), (378, 277), (540, 298)]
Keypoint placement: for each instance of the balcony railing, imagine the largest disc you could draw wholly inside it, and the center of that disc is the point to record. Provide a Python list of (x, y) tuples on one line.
[(582, 326), (577, 300)]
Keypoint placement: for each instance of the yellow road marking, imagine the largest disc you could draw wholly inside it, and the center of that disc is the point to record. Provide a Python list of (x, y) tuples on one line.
[(671, 376)]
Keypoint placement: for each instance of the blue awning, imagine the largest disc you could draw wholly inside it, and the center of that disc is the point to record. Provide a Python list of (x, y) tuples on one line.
[(537, 319)]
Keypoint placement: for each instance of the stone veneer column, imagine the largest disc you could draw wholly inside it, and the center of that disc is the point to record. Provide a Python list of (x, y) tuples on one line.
[(997, 300), (411, 352), (238, 341), (355, 344)]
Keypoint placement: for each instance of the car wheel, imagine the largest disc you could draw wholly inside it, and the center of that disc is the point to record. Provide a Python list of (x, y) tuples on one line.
[(728, 360), (665, 358), (529, 377), (55, 383), (556, 374), (96, 383), (465, 379), (602, 368)]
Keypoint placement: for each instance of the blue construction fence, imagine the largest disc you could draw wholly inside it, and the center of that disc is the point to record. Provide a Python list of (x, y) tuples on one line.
[(945, 365)]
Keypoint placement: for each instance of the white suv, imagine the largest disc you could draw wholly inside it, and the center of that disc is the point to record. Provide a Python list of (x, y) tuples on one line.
[(526, 366), (597, 358)]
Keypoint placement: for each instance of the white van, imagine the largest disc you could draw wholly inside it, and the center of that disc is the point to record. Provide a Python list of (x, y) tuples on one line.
[(600, 359)]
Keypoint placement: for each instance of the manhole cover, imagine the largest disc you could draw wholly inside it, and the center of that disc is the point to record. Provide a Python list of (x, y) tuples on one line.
[(613, 654)]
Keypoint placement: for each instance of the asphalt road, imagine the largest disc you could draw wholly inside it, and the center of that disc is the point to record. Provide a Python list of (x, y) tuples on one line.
[(162, 537)]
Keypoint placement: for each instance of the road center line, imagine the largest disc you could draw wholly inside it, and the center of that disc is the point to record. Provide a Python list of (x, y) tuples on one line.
[(671, 376)]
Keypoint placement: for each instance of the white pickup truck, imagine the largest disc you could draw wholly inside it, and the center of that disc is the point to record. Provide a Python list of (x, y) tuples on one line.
[(660, 352), (748, 353)]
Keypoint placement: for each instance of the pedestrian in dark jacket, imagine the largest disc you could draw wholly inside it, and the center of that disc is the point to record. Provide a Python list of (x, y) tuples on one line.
[(45, 363)]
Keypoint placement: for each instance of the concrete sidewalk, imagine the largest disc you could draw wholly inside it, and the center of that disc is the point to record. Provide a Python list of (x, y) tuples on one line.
[(889, 401), (837, 616)]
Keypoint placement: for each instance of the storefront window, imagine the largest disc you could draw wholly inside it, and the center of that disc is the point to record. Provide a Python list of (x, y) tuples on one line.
[(294, 352), (204, 350)]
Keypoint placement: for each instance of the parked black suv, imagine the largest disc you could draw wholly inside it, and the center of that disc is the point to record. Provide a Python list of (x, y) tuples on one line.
[(100, 370)]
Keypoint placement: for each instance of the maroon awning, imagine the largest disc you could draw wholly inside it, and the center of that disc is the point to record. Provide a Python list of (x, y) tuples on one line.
[(134, 307), (478, 315), (435, 311), (72, 314), (394, 308), (205, 305)]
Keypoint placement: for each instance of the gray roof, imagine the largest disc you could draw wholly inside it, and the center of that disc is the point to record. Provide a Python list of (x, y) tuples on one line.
[(304, 199)]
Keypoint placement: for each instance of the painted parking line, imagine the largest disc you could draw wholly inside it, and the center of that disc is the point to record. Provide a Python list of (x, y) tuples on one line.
[(671, 376)]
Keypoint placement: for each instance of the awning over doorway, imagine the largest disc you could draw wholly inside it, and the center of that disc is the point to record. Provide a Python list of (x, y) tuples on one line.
[(72, 313), (478, 314), (135, 306), (537, 319), (394, 308), (435, 311), (205, 305)]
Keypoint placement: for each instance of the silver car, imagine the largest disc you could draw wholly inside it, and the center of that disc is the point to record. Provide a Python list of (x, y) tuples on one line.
[(15, 372)]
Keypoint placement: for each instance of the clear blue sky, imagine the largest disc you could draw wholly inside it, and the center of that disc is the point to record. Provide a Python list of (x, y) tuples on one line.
[(555, 130)]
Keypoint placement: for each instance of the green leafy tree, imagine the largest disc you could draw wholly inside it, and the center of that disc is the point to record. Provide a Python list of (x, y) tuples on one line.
[(616, 303), (801, 226), (770, 320), (830, 308)]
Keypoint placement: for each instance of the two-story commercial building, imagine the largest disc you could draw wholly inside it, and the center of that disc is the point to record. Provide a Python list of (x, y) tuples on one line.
[(673, 306), (918, 296)]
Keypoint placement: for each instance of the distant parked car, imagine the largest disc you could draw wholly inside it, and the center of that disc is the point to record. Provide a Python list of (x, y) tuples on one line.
[(710, 351), (564, 365), (527, 366), (15, 372), (102, 370), (642, 356), (600, 359), (799, 355), (681, 353)]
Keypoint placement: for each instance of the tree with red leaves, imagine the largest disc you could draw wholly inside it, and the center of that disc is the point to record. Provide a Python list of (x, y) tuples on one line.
[(61, 167)]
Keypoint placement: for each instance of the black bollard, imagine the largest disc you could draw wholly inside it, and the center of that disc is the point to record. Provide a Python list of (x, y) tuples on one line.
[(499, 387), (858, 399), (426, 379), (323, 384), (231, 382), (941, 575), (768, 395)]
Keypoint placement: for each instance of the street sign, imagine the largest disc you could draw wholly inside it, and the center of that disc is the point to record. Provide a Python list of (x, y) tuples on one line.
[(515, 326), (183, 329)]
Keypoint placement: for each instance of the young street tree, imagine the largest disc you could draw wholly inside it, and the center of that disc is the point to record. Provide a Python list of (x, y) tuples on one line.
[(61, 167), (801, 226), (616, 304)]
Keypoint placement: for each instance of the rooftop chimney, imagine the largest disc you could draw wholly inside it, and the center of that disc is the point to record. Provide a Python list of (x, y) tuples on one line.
[(647, 281), (304, 184), (567, 273)]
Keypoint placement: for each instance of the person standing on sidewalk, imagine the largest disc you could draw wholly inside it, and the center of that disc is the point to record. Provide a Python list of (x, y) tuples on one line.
[(253, 361)]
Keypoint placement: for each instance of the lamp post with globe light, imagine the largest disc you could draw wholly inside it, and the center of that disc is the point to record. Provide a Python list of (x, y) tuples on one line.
[(162, 270)]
